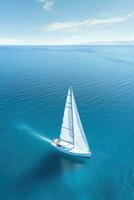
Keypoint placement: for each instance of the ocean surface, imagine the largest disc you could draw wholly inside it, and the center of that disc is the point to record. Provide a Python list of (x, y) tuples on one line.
[(33, 88)]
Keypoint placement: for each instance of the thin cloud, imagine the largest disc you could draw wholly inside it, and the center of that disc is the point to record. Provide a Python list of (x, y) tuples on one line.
[(86, 23), (9, 41), (47, 4)]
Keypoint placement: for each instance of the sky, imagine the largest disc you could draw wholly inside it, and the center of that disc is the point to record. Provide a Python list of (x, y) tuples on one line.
[(40, 22)]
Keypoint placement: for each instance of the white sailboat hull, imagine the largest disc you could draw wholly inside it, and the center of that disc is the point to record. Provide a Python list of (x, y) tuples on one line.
[(71, 151)]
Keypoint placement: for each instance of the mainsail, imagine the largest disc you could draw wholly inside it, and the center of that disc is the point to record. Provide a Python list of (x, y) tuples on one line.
[(72, 130), (67, 124)]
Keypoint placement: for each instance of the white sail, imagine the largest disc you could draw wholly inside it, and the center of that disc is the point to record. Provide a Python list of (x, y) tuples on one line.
[(80, 142), (72, 139), (67, 124)]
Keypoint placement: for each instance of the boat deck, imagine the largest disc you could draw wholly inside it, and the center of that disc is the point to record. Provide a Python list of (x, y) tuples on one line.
[(69, 148)]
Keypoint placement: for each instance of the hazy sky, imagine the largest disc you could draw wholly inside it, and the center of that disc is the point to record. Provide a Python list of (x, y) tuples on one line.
[(65, 21)]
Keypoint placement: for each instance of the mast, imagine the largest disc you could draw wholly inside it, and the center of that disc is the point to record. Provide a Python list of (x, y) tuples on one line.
[(71, 91)]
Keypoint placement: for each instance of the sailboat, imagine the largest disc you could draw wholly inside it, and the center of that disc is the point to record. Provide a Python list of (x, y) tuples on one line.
[(72, 138)]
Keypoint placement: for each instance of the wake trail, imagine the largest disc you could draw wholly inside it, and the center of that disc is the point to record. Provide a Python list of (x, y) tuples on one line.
[(41, 137), (33, 132)]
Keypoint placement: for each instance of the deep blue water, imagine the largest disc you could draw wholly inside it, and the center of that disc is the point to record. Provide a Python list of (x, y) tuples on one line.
[(33, 88)]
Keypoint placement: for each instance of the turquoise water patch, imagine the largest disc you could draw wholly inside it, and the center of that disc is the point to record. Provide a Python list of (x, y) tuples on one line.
[(33, 89)]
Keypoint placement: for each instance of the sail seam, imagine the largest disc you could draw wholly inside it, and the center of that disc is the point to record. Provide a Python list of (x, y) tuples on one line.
[(67, 128), (68, 103), (68, 107), (66, 141)]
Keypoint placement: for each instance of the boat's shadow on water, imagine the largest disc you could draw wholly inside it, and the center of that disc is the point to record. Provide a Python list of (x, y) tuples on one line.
[(47, 169)]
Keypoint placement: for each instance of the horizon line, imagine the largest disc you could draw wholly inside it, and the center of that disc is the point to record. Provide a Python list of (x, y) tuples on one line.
[(91, 44), (82, 43)]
